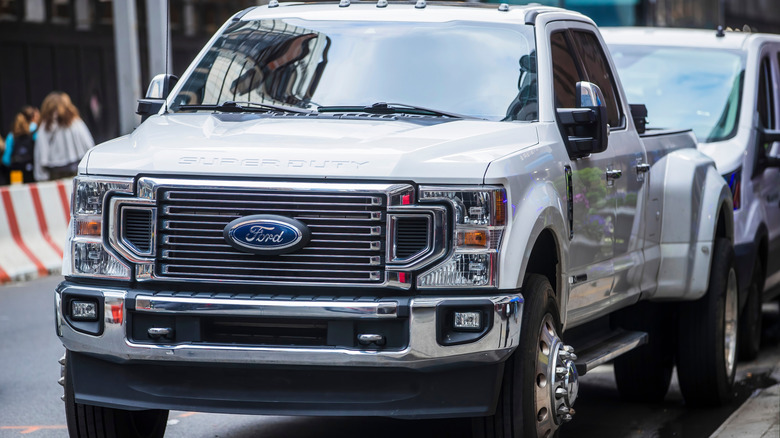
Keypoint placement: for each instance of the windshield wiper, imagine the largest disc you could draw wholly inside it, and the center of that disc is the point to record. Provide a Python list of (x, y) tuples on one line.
[(392, 108), (245, 107)]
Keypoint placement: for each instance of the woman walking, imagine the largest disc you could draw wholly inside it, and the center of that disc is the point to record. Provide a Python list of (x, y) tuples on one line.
[(20, 143), (62, 140)]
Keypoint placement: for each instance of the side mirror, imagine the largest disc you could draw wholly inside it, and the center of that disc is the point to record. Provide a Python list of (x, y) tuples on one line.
[(768, 136), (159, 88), (585, 127), (639, 114)]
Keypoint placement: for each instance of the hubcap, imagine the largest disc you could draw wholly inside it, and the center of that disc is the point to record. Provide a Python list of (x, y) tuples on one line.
[(556, 386), (730, 323)]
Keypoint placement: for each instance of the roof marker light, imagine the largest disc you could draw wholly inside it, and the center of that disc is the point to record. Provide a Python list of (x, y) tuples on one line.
[(381, 3), (273, 4), (503, 7), (344, 3), (420, 4)]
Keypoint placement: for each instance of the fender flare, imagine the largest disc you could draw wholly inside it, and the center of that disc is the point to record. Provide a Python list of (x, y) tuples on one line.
[(695, 199), (540, 210)]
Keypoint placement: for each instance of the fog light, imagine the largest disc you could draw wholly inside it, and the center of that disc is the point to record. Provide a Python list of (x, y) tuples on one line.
[(83, 310), (468, 320)]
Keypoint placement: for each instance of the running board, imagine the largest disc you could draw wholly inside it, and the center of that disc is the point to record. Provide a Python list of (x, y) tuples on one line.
[(608, 347)]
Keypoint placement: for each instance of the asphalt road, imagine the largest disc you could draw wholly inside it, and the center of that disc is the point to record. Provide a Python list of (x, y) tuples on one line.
[(30, 403)]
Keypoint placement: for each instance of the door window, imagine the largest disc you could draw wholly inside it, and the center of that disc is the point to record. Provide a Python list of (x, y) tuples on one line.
[(766, 104), (566, 72), (598, 71)]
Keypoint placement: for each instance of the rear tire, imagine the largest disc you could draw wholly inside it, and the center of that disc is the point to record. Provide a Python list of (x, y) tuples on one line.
[(750, 322), (707, 342), (644, 374), (87, 421), (527, 407)]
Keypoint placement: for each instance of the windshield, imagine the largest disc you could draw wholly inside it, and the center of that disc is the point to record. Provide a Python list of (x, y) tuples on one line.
[(684, 87), (475, 69)]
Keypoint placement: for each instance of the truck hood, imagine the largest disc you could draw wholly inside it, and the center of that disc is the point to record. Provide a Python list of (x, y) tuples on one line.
[(457, 151)]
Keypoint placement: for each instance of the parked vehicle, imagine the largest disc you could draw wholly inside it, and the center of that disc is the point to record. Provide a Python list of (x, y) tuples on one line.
[(725, 86), (283, 237)]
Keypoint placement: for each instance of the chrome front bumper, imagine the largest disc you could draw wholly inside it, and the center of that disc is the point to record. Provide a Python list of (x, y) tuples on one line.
[(422, 351)]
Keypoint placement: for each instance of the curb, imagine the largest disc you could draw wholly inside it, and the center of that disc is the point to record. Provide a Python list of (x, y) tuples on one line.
[(33, 223), (759, 415)]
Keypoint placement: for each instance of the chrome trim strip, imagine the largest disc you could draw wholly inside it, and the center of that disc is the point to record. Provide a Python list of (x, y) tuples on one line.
[(147, 186), (268, 308), (423, 350)]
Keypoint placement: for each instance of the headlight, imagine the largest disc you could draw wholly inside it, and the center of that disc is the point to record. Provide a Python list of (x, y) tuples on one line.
[(480, 219), (734, 180), (85, 254)]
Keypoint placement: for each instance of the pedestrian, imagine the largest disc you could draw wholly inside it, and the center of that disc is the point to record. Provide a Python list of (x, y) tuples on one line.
[(63, 138), (3, 169), (20, 144)]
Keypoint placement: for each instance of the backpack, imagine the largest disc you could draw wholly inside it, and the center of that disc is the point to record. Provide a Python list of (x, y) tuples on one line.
[(23, 153)]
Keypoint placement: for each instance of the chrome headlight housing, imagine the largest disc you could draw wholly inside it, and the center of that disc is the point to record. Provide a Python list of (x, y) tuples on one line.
[(480, 215), (85, 248)]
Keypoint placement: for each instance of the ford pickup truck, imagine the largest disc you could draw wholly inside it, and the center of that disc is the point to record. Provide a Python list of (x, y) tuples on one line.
[(393, 209), (733, 112)]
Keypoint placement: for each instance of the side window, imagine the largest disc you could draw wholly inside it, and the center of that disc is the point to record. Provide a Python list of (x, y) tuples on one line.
[(566, 73), (765, 98), (598, 71)]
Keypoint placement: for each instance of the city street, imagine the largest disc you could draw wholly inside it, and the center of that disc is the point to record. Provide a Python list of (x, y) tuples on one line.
[(30, 403)]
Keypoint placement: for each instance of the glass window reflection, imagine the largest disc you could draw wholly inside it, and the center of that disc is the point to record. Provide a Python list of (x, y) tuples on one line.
[(486, 71), (684, 88)]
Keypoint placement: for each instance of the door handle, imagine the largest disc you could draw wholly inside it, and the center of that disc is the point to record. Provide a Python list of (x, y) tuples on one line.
[(642, 168), (614, 174)]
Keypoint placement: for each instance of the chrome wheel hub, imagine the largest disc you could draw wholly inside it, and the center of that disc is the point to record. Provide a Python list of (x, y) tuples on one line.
[(556, 385), (730, 323)]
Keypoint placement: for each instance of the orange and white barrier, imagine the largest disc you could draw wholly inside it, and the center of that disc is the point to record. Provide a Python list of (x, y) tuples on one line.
[(33, 224)]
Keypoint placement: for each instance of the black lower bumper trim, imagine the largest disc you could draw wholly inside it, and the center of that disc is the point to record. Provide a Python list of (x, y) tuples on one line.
[(402, 393)]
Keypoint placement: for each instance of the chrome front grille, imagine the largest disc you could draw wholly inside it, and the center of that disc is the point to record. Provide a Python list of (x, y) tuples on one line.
[(347, 243)]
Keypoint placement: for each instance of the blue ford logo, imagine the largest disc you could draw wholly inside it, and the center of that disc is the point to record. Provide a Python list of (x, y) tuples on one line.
[(266, 234)]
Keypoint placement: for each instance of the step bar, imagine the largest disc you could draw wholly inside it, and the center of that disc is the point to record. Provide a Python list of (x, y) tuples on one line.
[(607, 348)]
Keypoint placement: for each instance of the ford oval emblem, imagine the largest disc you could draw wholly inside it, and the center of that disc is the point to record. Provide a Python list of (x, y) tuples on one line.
[(266, 234)]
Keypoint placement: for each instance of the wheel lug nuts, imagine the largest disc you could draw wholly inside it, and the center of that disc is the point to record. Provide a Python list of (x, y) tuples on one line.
[(563, 410), (566, 418), (561, 371), (561, 392), (61, 381)]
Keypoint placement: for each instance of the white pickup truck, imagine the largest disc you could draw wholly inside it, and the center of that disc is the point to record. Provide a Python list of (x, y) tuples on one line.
[(724, 85), (402, 210)]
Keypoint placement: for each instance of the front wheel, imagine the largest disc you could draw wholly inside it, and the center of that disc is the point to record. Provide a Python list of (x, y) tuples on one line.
[(540, 384), (87, 421), (707, 342)]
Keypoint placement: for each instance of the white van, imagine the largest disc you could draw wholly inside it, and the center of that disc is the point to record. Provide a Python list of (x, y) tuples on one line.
[(725, 86)]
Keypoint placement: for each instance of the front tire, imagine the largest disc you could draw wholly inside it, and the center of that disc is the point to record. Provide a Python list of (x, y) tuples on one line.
[(540, 380), (87, 421), (707, 343)]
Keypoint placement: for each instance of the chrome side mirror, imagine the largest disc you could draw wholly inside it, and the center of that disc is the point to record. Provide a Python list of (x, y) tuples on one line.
[(159, 88), (585, 127), (161, 85)]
